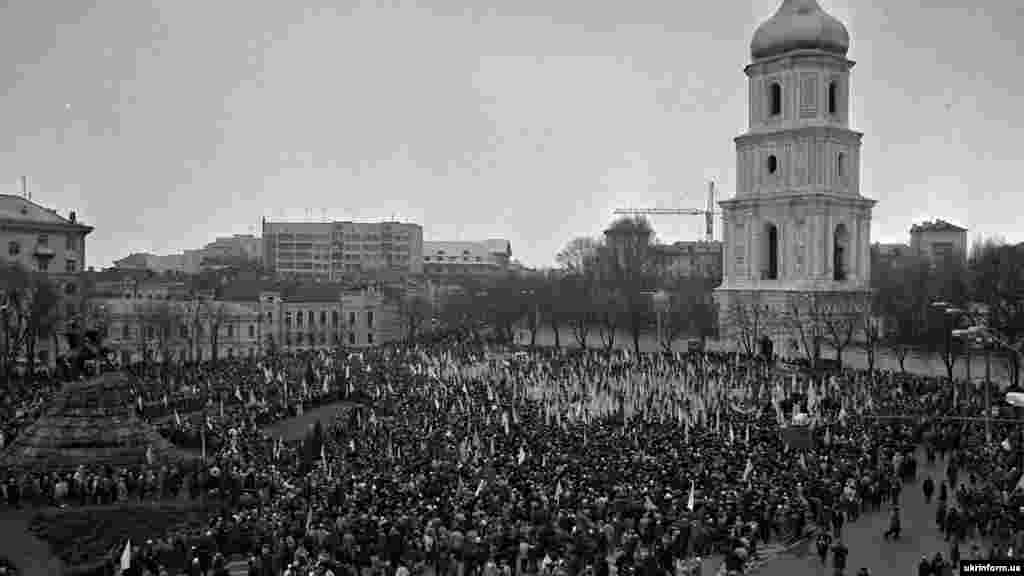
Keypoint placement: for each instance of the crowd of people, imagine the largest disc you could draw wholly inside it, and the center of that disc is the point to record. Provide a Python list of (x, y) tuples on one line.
[(456, 459)]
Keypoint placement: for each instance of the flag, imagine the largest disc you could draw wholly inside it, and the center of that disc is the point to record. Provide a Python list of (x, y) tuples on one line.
[(126, 556), (747, 436), (691, 501), (309, 519), (238, 393), (149, 454), (221, 407), (1006, 444), (323, 455), (177, 419), (202, 439), (522, 456), (748, 470)]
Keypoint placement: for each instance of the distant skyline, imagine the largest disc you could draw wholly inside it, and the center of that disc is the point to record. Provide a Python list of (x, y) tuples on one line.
[(168, 124)]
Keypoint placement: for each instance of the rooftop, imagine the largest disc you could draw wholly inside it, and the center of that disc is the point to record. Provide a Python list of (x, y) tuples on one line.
[(936, 226), (21, 209)]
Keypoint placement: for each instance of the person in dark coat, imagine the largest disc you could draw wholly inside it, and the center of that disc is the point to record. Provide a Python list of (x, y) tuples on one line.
[(929, 488), (839, 554), (894, 524)]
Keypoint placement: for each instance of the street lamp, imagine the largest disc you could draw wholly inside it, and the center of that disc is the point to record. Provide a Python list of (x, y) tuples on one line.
[(661, 302), (977, 333)]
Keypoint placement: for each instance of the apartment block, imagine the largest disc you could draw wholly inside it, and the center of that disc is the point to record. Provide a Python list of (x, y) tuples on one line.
[(332, 251)]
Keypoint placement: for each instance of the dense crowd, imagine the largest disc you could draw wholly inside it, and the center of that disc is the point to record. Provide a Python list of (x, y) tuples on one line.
[(455, 460)]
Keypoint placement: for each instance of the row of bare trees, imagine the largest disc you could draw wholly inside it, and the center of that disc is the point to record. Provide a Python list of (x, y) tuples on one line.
[(601, 286), (170, 325), (907, 310)]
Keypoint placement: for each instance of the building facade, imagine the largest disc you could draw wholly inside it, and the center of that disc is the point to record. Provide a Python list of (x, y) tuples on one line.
[(487, 258), (332, 251), (319, 316), (43, 242), (175, 330), (700, 259), (798, 229), (939, 240)]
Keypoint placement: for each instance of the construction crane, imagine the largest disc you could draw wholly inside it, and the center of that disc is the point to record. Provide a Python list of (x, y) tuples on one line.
[(708, 213)]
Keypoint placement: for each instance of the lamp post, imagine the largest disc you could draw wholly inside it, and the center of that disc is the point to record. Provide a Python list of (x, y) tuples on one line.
[(661, 302)]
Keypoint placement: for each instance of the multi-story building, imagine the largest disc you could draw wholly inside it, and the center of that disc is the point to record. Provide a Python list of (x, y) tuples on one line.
[(938, 241), (332, 251), (42, 241), (700, 259), (480, 259), (179, 330)]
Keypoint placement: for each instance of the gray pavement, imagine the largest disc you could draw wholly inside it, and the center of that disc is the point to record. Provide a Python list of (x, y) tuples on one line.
[(867, 546)]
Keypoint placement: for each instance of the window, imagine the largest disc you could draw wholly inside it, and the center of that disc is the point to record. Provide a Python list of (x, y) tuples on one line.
[(770, 265), (231, 331), (69, 243), (351, 338), (840, 238), (369, 337), (833, 96), (252, 331), (183, 331), (149, 332), (351, 318), (69, 266), (840, 160), (287, 319), (369, 318), (775, 99), (126, 332), (773, 164), (298, 318), (310, 317), (43, 264), (43, 240), (323, 317), (270, 317), (13, 248), (323, 338), (334, 317)]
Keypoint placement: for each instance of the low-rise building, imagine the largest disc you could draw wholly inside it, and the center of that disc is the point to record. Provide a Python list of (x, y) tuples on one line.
[(939, 240), (474, 259), (314, 316), (690, 259), (174, 330)]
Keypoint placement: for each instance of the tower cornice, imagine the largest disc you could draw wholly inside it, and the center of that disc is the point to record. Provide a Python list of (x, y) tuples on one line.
[(823, 200), (795, 57), (820, 131)]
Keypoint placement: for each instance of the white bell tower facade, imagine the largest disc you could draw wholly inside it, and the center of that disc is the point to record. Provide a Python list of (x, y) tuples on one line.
[(798, 229)]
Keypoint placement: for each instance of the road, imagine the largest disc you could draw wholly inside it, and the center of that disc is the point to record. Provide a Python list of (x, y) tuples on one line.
[(869, 549)]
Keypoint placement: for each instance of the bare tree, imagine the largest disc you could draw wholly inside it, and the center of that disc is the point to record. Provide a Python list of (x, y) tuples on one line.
[(579, 261), (807, 318), (216, 316), (843, 314), (997, 278), (42, 318), (627, 270), (15, 290), (872, 336), (749, 321), (609, 313), (551, 302)]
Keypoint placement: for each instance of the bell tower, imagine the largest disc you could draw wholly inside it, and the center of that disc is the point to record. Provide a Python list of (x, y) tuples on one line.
[(797, 228)]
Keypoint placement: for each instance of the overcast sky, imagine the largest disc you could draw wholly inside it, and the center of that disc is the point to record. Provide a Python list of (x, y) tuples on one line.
[(166, 124)]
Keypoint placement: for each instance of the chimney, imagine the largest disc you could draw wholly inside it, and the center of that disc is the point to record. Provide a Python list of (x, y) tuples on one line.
[(73, 217), (23, 180)]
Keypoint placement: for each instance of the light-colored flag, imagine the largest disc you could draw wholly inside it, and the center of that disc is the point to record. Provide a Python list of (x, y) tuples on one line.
[(126, 556), (748, 470), (691, 501)]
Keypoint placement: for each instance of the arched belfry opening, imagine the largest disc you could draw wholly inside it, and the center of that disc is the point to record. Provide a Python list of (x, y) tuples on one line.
[(770, 267), (840, 253)]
